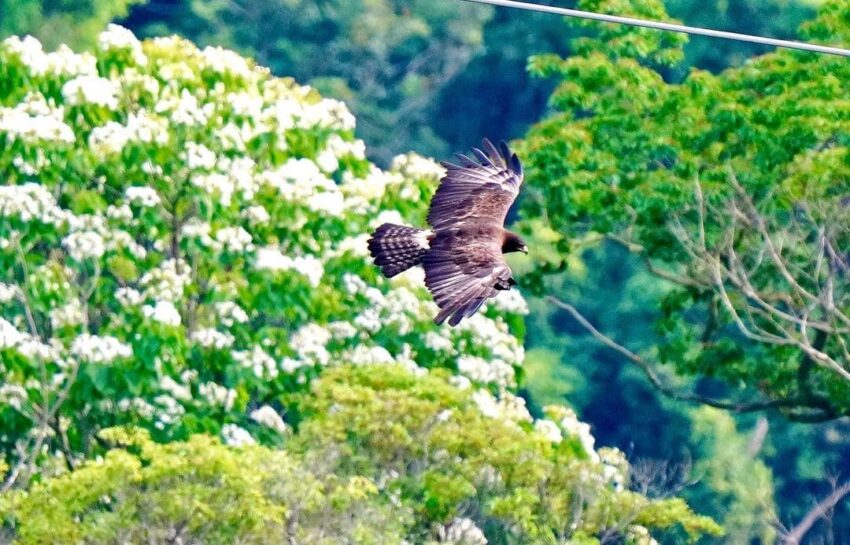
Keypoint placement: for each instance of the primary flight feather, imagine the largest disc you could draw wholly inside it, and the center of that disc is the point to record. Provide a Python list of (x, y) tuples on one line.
[(462, 252)]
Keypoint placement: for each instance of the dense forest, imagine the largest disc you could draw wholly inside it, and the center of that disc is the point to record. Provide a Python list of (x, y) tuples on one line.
[(195, 347)]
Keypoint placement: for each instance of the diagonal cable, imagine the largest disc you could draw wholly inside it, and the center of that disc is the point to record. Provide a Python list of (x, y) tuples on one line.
[(670, 27)]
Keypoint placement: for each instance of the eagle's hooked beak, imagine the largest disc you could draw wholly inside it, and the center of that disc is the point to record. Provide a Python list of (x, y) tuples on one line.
[(524, 249)]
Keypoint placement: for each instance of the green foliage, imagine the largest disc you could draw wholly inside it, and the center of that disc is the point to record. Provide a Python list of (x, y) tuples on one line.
[(741, 488), (377, 458), (701, 179), (198, 491), (75, 23)]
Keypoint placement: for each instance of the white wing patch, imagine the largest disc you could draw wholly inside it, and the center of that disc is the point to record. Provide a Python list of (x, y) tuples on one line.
[(422, 237)]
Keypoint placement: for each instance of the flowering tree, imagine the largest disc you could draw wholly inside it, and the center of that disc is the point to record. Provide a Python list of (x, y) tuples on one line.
[(185, 241)]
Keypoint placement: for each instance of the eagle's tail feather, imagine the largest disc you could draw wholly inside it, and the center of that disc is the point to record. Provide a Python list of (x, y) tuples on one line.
[(396, 248)]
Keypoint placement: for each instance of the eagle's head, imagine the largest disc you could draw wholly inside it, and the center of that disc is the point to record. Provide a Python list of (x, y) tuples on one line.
[(512, 243)]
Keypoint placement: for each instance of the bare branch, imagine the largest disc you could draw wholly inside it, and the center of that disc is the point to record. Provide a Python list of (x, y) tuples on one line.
[(791, 403), (819, 511)]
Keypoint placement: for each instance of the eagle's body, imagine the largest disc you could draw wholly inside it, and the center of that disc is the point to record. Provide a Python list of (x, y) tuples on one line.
[(462, 252)]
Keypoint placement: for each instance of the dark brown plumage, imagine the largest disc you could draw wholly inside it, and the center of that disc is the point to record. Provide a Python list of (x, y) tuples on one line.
[(462, 253)]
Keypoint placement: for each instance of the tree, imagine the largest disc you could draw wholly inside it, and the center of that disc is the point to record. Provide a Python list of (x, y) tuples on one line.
[(75, 23), (185, 243), (728, 187)]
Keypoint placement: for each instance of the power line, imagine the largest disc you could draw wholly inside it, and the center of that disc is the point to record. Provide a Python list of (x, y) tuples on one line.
[(667, 26)]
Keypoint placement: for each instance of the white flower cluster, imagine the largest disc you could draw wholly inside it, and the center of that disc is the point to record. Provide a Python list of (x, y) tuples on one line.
[(34, 122), (571, 426), (212, 338), (112, 137), (62, 62), (413, 165), (495, 371), (273, 260), (13, 395), (163, 312), (217, 395), (116, 37), (462, 531), (168, 281), (507, 406), (70, 314), (549, 430), (510, 301), (9, 292), (230, 313), (260, 363), (235, 436), (142, 196), (27, 345), (309, 344), (268, 417), (91, 90), (82, 245), (97, 349), (30, 202)]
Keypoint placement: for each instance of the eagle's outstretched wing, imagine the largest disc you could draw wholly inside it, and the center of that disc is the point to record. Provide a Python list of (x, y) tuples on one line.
[(481, 190), (462, 271)]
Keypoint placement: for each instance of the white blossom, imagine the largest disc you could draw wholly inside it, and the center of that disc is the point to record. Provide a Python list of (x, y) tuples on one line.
[(212, 338), (549, 430), (70, 314), (118, 37), (217, 395), (463, 531), (272, 259), (9, 292), (168, 281), (234, 239), (128, 297), (13, 395), (91, 90), (99, 349), (268, 417), (142, 196), (230, 313), (30, 202), (168, 412), (309, 342), (224, 60), (510, 301), (413, 165), (178, 391), (163, 312), (138, 406), (198, 156), (83, 245), (235, 436), (256, 215), (260, 363)]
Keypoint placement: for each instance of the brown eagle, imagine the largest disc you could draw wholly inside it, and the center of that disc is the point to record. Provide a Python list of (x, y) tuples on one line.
[(462, 252)]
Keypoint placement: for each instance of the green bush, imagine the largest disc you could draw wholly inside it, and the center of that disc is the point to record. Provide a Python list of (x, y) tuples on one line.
[(379, 458)]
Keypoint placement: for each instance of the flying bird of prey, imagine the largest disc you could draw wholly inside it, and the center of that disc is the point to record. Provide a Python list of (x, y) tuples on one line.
[(462, 252)]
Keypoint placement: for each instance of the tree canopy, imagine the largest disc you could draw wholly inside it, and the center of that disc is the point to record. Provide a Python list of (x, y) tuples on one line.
[(728, 187)]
